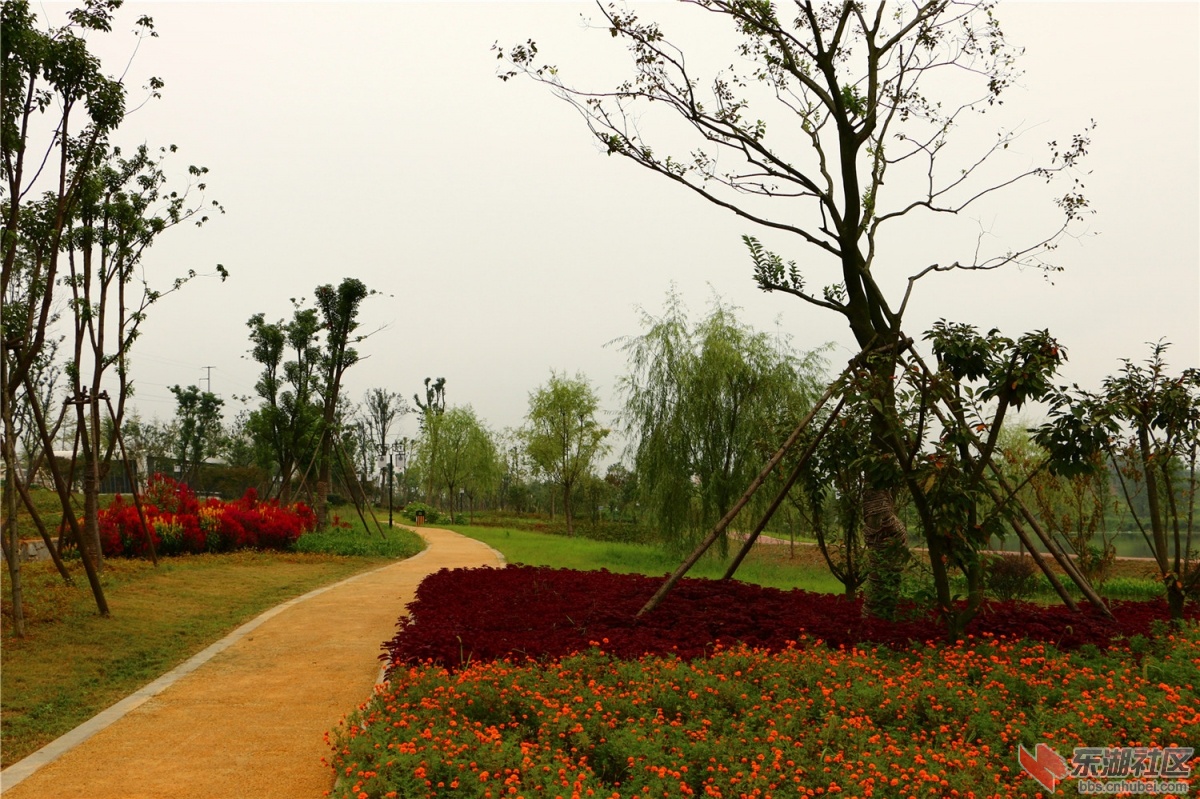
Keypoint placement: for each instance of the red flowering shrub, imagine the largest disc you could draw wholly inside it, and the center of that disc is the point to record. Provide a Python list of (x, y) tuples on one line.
[(170, 496), (179, 523), (466, 615)]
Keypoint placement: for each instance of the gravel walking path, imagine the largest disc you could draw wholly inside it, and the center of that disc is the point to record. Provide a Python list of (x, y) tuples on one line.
[(247, 717)]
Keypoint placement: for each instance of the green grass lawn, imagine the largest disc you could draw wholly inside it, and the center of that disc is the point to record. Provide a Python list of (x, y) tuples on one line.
[(766, 565), (72, 663)]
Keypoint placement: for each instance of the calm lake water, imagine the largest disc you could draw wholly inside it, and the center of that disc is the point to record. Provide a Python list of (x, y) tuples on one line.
[(1129, 544)]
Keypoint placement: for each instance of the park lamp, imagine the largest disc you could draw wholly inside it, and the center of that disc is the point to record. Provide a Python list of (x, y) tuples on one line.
[(400, 448)]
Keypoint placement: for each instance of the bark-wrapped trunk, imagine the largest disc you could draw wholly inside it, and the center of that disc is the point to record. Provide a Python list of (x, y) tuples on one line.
[(90, 540), (887, 553), (322, 504)]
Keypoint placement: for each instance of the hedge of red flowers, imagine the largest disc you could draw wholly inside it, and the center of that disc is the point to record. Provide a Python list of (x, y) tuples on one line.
[(180, 523), (465, 615)]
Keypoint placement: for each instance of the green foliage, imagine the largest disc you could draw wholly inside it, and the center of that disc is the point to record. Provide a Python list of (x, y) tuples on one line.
[(1147, 424), (198, 415), (1010, 577), (284, 426), (701, 403), (563, 437), (829, 492), (414, 509), (339, 309), (458, 455), (354, 541)]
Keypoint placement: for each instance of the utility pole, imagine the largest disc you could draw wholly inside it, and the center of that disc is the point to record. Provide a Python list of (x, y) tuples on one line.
[(208, 378)]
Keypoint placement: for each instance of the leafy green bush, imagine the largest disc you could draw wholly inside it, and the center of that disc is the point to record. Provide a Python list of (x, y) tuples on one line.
[(414, 508), (1010, 577), (354, 542), (1131, 588)]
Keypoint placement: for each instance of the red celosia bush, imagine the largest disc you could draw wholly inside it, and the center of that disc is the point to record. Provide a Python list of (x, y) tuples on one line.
[(178, 523), (465, 615)]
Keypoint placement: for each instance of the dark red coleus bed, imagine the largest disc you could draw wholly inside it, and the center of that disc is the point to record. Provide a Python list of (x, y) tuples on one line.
[(524, 611)]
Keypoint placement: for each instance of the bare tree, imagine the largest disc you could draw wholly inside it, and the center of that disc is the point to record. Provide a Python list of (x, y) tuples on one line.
[(834, 122)]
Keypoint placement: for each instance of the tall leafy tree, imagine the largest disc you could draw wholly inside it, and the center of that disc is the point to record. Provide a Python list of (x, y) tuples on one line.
[(125, 205), (563, 436), (380, 410), (432, 410), (339, 309), (286, 425), (198, 416), (698, 401), (820, 104), (1147, 423), (466, 461)]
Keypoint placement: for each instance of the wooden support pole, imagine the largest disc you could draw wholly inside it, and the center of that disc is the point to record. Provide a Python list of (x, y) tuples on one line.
[(343, 456), (23, 490), (720, 526), (1033, 553), (1054, 549), (1051, 545), (787, 486)]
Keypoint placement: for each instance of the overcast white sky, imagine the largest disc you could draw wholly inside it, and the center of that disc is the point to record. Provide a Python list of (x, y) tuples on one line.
[(373, 140)]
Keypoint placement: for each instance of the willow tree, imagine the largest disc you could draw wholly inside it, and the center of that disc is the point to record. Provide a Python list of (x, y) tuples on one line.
[(820, 104), (698, 399)]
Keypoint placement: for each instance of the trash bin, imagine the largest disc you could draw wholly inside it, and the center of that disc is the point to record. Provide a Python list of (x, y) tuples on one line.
[(420, 518)]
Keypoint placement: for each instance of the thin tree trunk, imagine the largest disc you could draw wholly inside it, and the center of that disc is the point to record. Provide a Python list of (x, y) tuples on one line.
[(89, 537), (10, 540), (567, 509), (51, 547), (64, 496)]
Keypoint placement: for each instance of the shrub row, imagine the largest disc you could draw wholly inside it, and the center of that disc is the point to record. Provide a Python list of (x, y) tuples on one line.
[(465, 615), (179, 523)]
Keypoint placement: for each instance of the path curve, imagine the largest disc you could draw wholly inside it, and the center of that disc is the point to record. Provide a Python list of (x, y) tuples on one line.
[(246, 717)]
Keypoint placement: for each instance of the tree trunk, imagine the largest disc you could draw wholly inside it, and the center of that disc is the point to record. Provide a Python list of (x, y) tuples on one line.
[(567, 509), (322, 504), (10, 540), (68, 517), (1175, 597), (91, 514), (887, 553)]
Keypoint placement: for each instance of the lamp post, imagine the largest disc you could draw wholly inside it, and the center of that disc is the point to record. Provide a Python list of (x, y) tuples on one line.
[(398, 453)]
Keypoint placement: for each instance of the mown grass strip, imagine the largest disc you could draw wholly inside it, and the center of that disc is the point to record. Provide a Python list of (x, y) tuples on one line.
[(767, 565)]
